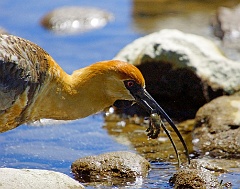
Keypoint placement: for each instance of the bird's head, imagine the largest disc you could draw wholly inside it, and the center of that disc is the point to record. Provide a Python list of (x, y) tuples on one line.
[(125, 82)]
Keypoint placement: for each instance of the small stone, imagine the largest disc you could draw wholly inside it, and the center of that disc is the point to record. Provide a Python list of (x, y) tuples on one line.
[(71, 20), (113, 168)]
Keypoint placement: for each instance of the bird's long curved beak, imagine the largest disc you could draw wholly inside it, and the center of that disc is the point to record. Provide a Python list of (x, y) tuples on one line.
[(145, 100)]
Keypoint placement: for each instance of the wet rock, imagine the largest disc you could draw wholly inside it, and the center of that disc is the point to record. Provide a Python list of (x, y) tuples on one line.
[(193, 178), (203, 173), (114, 168), (71, 20), (182, 71), (34, 178), (217, 129)]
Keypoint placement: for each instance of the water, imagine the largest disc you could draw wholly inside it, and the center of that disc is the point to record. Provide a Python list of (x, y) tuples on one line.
[(56, 146)]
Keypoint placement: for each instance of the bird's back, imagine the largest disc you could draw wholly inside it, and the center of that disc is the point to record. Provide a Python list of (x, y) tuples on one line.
[(23, 70)]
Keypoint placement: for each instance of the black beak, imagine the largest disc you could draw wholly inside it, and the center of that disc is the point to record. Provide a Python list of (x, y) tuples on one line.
[(144, 99)]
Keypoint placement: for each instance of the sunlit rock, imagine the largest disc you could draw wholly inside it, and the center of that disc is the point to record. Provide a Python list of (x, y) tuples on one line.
[(114, 168), (205, 173), (195, 177), (35, 178), (182, 71), (218, 128), (71, 20)]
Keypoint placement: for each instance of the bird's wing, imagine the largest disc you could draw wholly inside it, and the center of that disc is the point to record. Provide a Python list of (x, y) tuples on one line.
[(23, 64)]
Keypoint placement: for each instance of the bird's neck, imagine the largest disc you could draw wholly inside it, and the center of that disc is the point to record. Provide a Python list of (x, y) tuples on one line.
[(69, 97)]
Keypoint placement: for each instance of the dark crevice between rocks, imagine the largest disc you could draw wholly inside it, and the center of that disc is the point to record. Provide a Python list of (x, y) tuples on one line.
[(180, 92), (234, 126)]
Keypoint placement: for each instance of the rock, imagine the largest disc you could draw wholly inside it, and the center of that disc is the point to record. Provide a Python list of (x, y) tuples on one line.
[(114, 168), (203, 173), (182, 71), (226, 26), (189, 177), (226, 23), (217, 129), (35, 178), (71, 20)]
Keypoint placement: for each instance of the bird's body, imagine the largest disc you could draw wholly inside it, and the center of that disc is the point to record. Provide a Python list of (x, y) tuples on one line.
[(34, 86)]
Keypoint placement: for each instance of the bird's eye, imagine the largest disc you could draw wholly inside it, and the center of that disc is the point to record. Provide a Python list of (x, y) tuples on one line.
[(130, 83)]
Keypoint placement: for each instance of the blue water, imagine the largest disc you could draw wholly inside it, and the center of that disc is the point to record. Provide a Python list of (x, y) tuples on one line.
[(56, 146)]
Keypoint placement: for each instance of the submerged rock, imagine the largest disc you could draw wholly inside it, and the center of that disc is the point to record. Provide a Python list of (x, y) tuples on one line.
[(70, 20), (217, 129), (182, 71), (35, 178), (114, 168)]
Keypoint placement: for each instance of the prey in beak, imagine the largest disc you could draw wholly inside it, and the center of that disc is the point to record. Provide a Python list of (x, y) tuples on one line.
[(144, 99)]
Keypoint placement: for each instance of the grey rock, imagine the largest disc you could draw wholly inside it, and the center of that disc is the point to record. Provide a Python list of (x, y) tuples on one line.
[(226, 26), (114, 168), (217, 129), (182, 71), (35, 178)]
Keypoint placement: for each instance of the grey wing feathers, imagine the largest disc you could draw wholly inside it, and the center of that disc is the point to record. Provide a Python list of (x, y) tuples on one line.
[(22, 64)]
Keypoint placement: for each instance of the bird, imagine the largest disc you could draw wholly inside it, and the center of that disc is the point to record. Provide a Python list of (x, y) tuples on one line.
[(33, 86)]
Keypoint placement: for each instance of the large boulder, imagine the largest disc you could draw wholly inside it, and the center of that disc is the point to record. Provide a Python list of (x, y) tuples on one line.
[(35, 178), (113, 168), (182, 71), (217, 129)]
